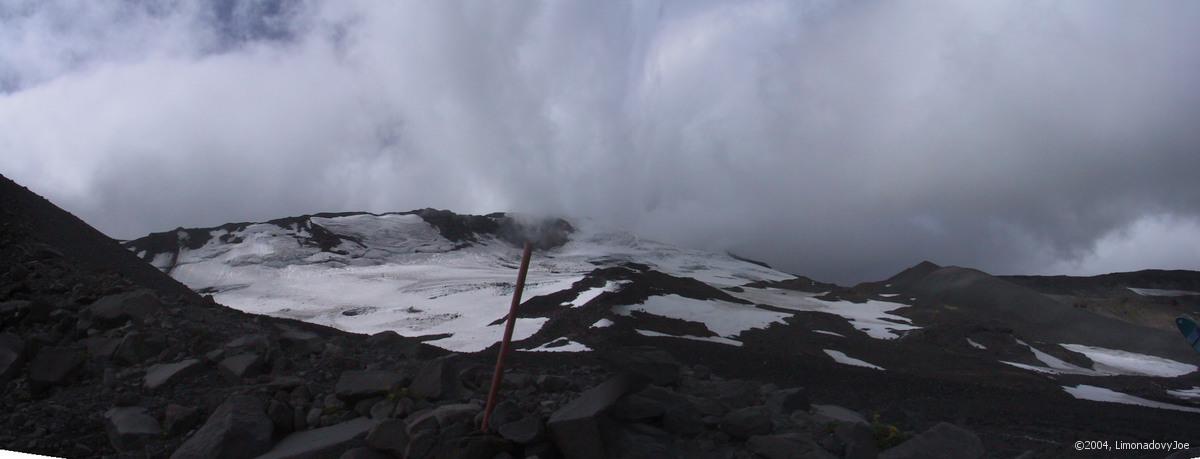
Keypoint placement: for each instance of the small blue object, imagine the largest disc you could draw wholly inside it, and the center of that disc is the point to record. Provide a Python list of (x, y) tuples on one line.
[(1190, 331)]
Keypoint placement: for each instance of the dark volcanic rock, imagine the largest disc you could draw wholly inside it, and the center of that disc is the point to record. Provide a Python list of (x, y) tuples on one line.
[(576, 427), (944, 440), (53, 366), (114, 310), (785, 401), (655, 364), (437, 380), (12, 353), (301, 341), (137, 347), (178, 419), (639, 441), (390, 435), (239, 428), (129, 427), (747, 422), (358, 385), (525, 431), (241, 366), (859, 441), (787, 446), (163, 374), (363, 452), (324, 442)]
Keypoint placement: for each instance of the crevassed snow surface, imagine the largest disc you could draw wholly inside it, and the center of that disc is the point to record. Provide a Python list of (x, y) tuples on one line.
[(591, 294), (1161, 292), (872, 317), (711, 339), (1100, 394), (1129, 363), (1107, 362), (1193, 393), (398, 273), (560, 345), (722, 317), (842, 358), (1054, 365)]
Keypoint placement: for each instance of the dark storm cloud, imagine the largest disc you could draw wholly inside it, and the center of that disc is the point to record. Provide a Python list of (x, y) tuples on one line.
[(843, 140)]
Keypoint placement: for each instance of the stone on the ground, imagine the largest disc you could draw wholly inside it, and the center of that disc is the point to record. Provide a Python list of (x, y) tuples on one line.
[(358, 385), (825, 414), (390, 436), (281, 417), (363, 452), (474, 447), (787, 446), (638, 407), (859, 441), (178, 419), (641, 441), (301, 341), (785, 401), (12, 353), (137, 347), (239, 428), (129, 427), (747, 422), (552, 383), (383, 409), (329, 441), (53, 366), (525, 431), (166, 373), (240, 366), (102, 347), (655, 364), (437, 380), (943, 440), (114, 310), (256, 342), (576, 427)]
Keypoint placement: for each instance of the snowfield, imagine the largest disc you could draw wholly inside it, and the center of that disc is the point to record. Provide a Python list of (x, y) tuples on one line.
[(397, 272), (1100, 394)]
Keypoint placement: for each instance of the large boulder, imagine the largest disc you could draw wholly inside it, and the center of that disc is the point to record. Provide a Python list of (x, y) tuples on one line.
[(747, 422), (54, 366), (240, 366), (944, 440), (137, 347), (390, 436), (525, 431), (325, 442), (437, 380), (785, 401), (576, 427), (12, 353), (301, 341), (787, 446), (655, 364), (130, 427), (114, 310), (358, 385), (178, 419), (833, 414), (162, 374), (239, 428)]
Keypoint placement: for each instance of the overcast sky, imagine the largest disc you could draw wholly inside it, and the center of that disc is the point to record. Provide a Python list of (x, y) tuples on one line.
[(840, 140)]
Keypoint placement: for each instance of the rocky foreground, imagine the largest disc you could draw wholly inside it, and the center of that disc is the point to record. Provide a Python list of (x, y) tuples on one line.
[(101, 358)]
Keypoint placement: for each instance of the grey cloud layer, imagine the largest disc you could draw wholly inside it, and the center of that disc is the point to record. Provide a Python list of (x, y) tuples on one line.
[(842, 140)]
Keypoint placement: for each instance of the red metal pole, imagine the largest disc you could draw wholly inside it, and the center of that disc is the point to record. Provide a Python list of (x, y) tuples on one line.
[(508, 331)]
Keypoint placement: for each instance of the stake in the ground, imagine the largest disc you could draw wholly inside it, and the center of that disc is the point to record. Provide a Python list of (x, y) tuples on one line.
[(508, 331)]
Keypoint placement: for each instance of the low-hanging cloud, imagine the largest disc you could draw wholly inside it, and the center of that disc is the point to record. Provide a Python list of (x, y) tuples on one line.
[(841, 140)]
